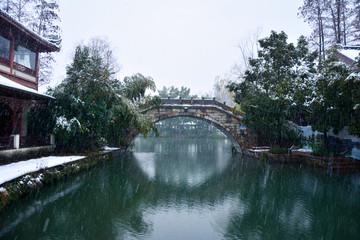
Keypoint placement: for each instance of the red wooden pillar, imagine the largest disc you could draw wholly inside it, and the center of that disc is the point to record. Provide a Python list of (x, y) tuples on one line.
[(20, 119), (13, 119), (16, 117), (37, 70)]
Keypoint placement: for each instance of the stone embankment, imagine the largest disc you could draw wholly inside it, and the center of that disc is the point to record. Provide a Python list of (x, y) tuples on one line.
[(18, 187), (333, 163)]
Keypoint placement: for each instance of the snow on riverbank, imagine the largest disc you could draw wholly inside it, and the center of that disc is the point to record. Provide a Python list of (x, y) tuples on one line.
[(11, 171), (110, 149)]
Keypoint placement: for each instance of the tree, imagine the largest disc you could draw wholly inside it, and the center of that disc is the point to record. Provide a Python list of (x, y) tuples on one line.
[(333, 22), (356, 20), (100, 46), (352, 86), (19, 9), (134, 87), (331, 103), (313, 12), (248, 49), (91, 108), (84, 101), (174, 92), (46, 23), (267, 91), (221, 92), (340, 17)]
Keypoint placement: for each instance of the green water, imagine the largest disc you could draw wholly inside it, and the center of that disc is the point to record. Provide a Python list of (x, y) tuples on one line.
[(190, 189)]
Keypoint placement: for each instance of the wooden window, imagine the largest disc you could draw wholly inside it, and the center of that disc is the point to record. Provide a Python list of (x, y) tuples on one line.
[(4, 50), (25, 57)]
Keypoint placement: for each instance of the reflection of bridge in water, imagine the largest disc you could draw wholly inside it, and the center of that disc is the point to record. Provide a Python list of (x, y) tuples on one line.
[(225, 118)]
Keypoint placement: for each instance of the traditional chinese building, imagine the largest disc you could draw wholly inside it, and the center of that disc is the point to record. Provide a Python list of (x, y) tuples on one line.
[(348, 55), (19, 67)]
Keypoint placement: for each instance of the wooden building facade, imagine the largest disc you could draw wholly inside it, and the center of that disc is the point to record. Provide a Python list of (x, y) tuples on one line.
[(19, 67)]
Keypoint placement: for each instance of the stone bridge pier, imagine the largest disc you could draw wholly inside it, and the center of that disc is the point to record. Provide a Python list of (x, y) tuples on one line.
[(226, 119)]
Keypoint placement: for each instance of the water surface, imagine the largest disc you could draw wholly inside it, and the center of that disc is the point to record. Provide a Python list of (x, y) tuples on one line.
[(190, 189)]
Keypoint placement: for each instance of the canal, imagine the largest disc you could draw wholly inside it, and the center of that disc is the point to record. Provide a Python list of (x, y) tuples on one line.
[(190, 189)]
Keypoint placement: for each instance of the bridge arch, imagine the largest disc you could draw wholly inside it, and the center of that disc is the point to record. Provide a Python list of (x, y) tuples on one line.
[(212, 122), (226, 119)]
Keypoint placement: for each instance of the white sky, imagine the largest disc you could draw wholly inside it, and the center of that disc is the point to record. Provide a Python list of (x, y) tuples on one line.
[(176, 42)]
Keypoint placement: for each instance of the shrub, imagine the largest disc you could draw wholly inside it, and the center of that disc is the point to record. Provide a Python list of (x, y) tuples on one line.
[(280, 151), (318, 149)]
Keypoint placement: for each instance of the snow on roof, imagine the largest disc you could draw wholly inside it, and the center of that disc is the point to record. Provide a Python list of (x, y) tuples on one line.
[(27, 30), (7, 83), (350, 52)]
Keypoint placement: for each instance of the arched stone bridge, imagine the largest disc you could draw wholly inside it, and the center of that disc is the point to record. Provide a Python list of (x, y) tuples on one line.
[(227, 119)]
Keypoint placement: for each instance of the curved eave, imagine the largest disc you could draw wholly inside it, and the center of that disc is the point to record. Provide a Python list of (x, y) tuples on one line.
[(42, 45), (10, 88)]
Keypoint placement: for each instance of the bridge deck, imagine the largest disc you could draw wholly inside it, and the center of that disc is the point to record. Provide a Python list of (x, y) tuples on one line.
[(205, 102)]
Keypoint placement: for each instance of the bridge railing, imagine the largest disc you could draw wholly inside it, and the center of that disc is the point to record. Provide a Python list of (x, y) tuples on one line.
[(202, 101)]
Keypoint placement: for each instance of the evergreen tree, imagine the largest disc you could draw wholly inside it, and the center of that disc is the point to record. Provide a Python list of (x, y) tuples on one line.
[(91, 109), (352, 86), (267, 92), (331, 102), (174, 92)]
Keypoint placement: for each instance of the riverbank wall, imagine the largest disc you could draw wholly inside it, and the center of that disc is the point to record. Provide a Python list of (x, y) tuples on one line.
[(332, 163), (18, 188)]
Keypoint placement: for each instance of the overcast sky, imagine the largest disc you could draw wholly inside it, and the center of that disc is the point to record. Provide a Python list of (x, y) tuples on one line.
[(176, 42)]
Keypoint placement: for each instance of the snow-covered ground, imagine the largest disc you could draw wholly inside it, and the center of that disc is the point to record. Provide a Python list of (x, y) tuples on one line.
[(110, 149), (14, 170)]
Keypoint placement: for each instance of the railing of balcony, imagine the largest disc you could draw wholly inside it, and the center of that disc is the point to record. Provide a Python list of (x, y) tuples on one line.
[(24, 69), (4, 61)]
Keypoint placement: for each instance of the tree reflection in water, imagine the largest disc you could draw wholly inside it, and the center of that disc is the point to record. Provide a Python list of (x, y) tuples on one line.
[(189, 189)]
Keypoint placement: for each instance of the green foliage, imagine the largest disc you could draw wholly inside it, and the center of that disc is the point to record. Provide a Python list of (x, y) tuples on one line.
[(331, 102), (263, 157), (174, 92), (150, 101), (92, 108), (84, 100), (268, 93), (318, 149), (123, 116), (352, 85), (40, 121), (280, 151), (134, 87), (354, 126), (283, 85), (269, 119)]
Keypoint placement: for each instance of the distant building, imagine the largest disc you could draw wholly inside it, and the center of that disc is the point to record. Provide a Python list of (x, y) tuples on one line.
[(19, 67), (348, 54)]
